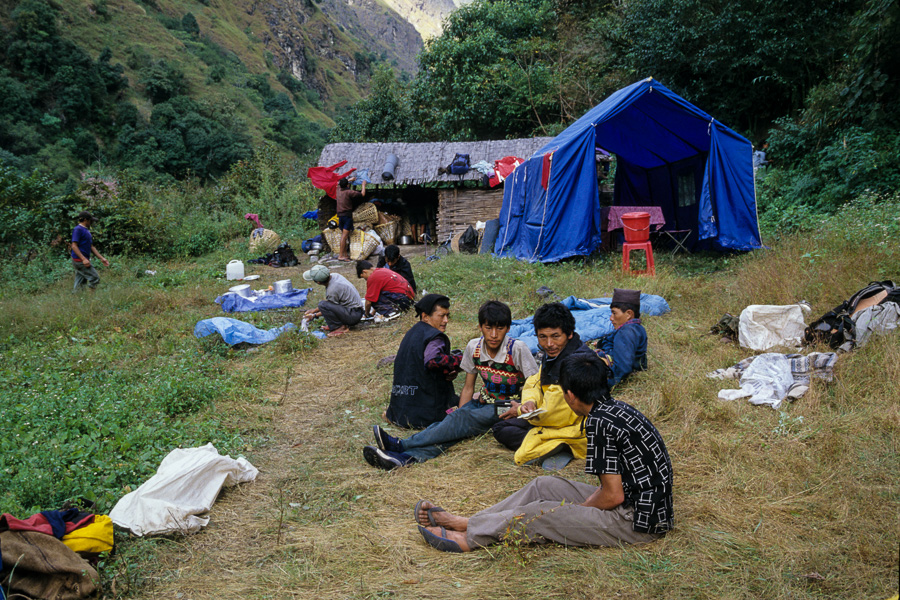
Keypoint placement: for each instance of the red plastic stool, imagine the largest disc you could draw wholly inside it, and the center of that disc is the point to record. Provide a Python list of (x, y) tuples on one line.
[(627, 247)]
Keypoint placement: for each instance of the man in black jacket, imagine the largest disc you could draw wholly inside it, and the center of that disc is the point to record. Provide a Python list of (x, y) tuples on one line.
[(424, 370), (397, 264)]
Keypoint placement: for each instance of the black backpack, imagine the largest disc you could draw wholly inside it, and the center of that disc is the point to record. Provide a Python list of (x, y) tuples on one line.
[(836, 327)]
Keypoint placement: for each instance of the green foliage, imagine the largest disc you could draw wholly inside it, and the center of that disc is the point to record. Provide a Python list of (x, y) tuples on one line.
[(189, 24), (486, 76), (96, 431), (162, 81), (746, 62), (384, 116), (33, 215)]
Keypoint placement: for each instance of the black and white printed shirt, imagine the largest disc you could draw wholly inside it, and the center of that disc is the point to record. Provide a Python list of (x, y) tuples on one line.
[(622, 441)]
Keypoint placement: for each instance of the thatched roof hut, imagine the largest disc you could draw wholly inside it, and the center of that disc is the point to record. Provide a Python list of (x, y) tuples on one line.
[(417, 177)]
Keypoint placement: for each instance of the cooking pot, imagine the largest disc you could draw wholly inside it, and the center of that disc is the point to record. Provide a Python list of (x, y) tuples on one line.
[(283, 287), (315, 247), (242, 290), (406, 240)]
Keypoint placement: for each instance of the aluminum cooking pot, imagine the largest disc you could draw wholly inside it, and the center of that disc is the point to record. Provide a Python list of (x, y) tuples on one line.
[(241, 290), (283, 287), (406, 240)]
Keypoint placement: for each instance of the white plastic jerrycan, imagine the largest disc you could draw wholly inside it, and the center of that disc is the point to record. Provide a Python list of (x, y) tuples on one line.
[(234, 270)]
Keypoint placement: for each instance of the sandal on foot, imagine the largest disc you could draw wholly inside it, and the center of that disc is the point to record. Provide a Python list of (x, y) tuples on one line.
[(439, 542), (429, 512), (336, 332)]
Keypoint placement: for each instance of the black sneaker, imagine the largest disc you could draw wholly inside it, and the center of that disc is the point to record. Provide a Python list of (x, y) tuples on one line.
[(385, 459), (385, 441)]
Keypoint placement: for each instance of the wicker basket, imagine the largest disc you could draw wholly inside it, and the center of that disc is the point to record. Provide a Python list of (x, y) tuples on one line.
[(361, 245), (333, 238), (264, 241), (365, 213), (388, 231)]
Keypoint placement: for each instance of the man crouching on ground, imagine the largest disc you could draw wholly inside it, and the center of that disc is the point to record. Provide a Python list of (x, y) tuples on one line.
[(503, 364), (633, 504)]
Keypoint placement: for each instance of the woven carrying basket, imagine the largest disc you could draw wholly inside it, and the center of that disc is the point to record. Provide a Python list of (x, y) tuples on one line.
[(388, 231), (264, 241), (333, 239), (365, 213), (361, 245)]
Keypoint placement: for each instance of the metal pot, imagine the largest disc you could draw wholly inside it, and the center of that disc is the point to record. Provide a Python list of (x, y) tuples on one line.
[(283, 287), (315, 246), (242, 290), (406, 240)]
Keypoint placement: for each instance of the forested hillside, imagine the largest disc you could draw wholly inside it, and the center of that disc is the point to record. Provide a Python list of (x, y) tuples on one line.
[(176, 88)]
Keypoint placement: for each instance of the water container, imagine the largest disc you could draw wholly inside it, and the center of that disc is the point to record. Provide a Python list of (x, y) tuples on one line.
[(636, 226), (234, 270)]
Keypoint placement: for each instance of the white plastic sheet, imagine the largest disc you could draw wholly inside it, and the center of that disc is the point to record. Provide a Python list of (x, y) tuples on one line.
[(185, 485), (766, 381), (764, 326)]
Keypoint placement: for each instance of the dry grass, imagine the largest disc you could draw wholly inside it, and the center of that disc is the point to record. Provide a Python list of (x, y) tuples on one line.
[(767, 506)]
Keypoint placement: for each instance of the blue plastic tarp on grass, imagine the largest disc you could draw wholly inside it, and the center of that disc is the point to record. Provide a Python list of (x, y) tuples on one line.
[(232, 302), (234, 331), (591, 318), (311, 214)]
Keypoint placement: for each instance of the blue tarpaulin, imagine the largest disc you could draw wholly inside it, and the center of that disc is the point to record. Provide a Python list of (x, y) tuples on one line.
[(591, 318), (234, 331), (232, 302), (311, 214), (669, 153)]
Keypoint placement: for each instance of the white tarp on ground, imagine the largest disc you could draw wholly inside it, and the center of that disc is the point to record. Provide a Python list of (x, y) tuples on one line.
[(185, 485), (764, 326), (802, 369)]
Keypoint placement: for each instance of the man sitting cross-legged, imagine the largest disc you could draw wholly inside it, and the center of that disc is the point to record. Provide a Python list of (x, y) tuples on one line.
[(503, 364), (555, 436), (632, 505)]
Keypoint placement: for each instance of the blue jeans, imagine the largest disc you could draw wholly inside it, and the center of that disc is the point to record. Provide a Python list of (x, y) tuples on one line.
[(472, 420)]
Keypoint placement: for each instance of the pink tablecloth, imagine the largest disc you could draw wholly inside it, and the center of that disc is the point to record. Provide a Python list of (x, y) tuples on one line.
[(611, 216)]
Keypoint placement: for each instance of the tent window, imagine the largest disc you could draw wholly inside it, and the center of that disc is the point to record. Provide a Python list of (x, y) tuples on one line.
[(686, 189)]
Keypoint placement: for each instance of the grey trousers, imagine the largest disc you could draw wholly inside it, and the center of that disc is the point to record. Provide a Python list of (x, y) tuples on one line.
[(85, 275), (336, 315), (549, 509)]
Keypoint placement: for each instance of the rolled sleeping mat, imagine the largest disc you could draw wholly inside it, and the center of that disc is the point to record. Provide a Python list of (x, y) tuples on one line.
[(491, 229), (390, 166)]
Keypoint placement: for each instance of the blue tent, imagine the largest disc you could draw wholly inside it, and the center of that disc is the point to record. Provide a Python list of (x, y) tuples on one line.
[(669, 154)]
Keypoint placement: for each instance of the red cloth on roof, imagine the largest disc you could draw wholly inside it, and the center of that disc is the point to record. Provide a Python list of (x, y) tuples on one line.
[(503, 167), (326, 179)]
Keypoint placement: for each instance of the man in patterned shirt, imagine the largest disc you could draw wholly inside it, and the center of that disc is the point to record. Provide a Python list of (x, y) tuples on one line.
[(632, 505)]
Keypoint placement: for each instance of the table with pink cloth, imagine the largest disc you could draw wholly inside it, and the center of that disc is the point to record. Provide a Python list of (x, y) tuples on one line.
[(611, 216)]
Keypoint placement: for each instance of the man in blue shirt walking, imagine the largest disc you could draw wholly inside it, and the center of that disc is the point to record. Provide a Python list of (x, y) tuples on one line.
[(82, 249)]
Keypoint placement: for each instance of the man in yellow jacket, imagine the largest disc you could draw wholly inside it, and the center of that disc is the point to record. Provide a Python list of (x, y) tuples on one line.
[(543, 429)]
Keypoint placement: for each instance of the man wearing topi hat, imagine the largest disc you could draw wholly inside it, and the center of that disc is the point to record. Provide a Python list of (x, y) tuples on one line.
[(627, 345), (342, 307), (424, 370)]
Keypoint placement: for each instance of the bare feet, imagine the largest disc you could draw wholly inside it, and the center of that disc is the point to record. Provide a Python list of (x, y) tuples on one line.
[(441, 517), (339, 331), (457, 536)]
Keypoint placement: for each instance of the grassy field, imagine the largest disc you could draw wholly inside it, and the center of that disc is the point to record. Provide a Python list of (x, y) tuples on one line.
[(797, 503)]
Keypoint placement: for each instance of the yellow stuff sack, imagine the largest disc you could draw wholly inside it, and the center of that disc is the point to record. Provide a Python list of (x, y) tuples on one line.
[(94, 538)]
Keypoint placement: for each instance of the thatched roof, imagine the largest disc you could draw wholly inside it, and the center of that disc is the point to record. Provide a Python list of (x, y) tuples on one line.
[(419, 163)]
